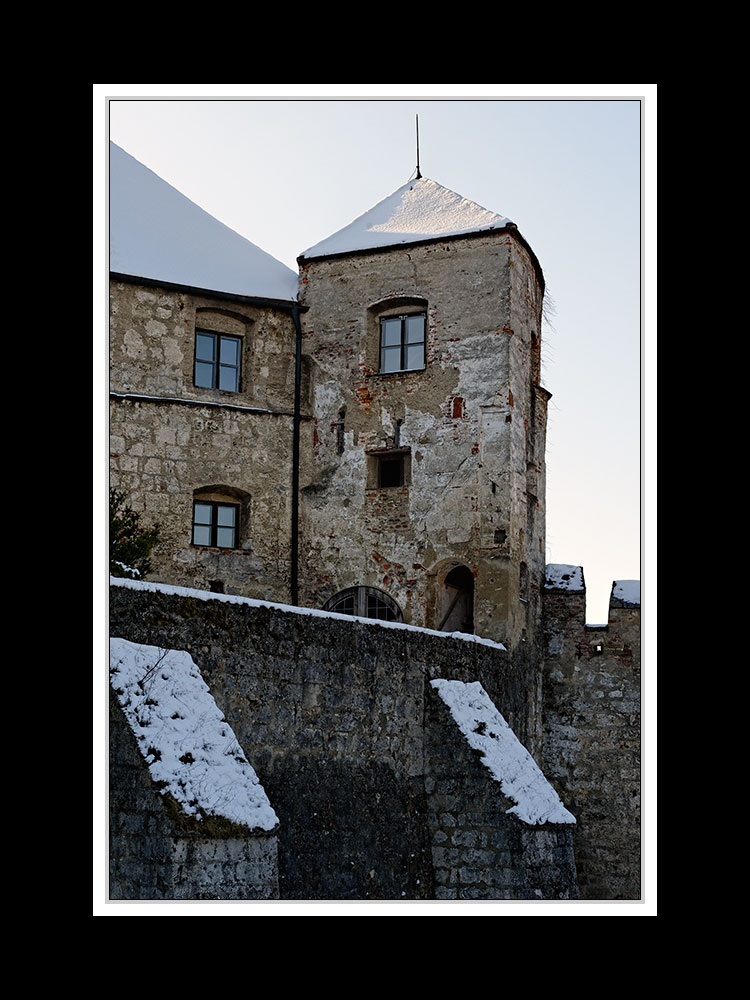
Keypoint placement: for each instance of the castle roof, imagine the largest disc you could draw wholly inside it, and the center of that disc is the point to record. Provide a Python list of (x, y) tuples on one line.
[(420, 210), (156, 233)]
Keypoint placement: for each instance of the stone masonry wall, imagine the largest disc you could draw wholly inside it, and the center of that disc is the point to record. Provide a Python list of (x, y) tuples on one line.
[(470, 422), (480, 850), (592, 738), (333, 715), (170, 438), (157, 853)]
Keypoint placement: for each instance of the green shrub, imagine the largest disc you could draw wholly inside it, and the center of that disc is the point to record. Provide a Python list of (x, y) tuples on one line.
[(130, 545)]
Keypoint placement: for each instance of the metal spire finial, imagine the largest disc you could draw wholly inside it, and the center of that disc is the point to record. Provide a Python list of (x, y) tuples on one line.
[(418, 170)]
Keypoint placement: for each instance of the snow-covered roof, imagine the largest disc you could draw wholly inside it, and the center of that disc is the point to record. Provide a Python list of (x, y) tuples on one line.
[(420, 210), (627, 591), (183, 736), (155, 232), (504, 755), (561, 576)]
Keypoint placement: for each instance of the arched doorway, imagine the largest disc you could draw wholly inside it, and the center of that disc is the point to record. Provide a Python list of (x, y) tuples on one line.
[(455, 605)]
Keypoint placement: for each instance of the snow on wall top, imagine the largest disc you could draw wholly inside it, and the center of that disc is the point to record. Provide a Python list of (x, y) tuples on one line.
[(419, 210), (628, 591), (156, 232), (205, 595), (184, 737), (560, 576), (503, 754)]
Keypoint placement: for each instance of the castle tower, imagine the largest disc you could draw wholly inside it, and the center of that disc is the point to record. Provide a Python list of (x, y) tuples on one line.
[(423, 463)]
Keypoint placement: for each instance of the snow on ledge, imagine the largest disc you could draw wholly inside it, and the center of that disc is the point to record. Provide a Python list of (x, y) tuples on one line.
[(205, 595), (184, 737), (628, 591), (561, 576), (508, 760)]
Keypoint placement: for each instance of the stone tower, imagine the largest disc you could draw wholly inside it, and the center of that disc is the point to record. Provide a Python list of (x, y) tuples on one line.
[(423, 475)]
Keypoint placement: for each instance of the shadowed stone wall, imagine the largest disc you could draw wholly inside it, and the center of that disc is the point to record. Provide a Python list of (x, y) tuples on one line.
[(333, 714), (592, 753)]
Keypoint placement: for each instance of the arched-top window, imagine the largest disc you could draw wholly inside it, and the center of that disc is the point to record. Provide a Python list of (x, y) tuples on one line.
[(220, 517), (365, 602)]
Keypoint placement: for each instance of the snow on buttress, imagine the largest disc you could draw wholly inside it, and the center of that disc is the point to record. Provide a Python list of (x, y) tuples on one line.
[(421, 209), (184, 737), (506, 757), (156, 232)]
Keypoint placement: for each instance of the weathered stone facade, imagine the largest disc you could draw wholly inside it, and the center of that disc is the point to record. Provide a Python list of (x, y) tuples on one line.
[(172, 442), (470, 426)]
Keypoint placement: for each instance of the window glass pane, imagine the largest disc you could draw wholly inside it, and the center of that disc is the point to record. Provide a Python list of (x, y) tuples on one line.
[(345, 606), (390, 359), (204, 347), (225, 538), (204, 374), (201, 535), (414, 329), (230, 351), (391, 331), (228, 378), (202, 513), (415, 356), (226, 515)]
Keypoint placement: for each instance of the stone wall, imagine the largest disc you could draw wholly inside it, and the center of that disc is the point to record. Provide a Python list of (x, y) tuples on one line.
[(171, 439), (592, 695), (481, 851), (334, 715), (158, 853)]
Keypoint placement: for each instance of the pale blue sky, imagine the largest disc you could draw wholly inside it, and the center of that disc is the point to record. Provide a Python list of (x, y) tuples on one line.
[(287, 173)]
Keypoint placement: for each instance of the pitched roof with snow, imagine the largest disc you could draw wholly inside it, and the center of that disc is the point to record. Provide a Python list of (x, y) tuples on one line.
[(155, 232), (420, 210)]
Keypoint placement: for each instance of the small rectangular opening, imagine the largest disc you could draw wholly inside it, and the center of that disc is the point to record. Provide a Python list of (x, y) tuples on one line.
[(389, 468), (390, 472)]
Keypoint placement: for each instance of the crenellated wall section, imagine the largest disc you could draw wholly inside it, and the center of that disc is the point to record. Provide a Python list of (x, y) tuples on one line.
[(591, 713)]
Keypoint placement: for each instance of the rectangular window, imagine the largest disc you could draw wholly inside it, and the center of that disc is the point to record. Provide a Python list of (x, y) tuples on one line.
[(215, 524), (402, 343), (387, 469), (217, 361)]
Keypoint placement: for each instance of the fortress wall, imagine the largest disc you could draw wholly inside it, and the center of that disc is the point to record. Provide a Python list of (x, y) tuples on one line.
[(334, 715), (591, 711)]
